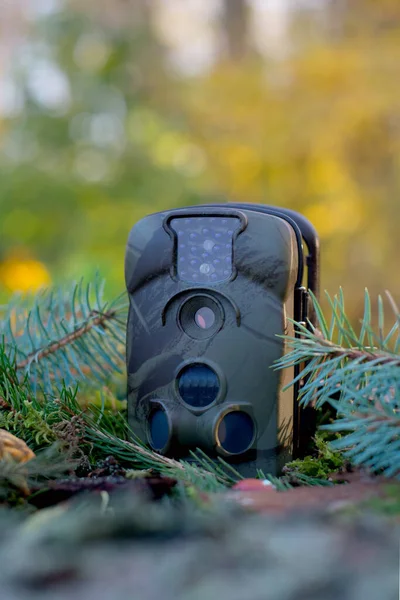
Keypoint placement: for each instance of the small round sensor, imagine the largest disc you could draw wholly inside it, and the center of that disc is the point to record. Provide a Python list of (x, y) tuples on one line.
[(204, 317), (201, 316)]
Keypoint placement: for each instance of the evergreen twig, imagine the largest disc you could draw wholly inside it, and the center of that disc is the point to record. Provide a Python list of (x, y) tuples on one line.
[(95, 320), (60, 338), (364, 369)]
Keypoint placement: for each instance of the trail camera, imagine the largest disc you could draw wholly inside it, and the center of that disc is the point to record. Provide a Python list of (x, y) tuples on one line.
[(211, 288)]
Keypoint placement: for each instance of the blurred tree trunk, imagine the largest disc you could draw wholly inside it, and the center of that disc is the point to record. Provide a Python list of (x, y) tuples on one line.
[(347, 16), (336, 10), (116, 13), (235, 21)]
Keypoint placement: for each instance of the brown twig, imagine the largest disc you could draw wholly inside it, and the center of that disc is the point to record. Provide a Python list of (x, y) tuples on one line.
[(99, 320), (4, 405)]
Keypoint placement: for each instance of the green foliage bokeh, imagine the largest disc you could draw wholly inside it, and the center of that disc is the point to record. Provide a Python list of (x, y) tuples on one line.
[(316, 130)]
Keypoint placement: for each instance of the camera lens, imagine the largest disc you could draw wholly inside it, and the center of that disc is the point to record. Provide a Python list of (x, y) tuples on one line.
[(200, 316), (235, 432), (204, 317), (158, 429), (198, 385)]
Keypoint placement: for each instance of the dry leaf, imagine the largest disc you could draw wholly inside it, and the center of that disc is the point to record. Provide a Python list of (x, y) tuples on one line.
[(13, 448)]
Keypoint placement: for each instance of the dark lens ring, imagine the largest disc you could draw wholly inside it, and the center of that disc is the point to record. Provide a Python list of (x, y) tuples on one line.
[(235, 432)]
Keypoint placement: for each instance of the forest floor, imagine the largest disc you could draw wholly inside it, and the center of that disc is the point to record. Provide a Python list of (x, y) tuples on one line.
[(108, 538)]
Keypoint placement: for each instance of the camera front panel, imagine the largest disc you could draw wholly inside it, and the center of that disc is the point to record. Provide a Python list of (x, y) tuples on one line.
[(210, 292)]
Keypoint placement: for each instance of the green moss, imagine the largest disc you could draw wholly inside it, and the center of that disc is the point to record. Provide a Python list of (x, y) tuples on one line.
[(322, 464)]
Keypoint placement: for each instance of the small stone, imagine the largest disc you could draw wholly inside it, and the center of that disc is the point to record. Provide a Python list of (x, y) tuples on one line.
[(247, 485)]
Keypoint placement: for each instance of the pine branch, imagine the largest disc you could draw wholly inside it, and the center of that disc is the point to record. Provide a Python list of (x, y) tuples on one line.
[(338, 359), (373, 438), (361, 355), (60, 338), (364, 368), (36, 419), (96, 320)]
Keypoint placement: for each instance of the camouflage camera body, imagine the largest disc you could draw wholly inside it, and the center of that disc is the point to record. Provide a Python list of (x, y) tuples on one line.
[(211, 289)]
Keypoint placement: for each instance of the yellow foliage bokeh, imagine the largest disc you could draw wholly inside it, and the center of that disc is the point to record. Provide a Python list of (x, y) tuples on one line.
[(23, 275), (316, 129)]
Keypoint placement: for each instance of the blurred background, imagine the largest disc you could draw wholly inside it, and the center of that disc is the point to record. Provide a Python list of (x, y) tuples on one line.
[(111, 109)]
